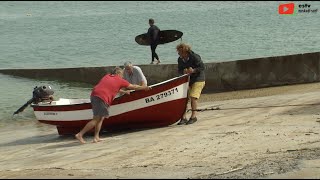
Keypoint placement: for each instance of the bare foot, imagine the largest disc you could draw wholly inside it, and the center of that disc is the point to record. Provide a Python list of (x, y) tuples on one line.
[(82, 141), (95, 140), (158, 62)]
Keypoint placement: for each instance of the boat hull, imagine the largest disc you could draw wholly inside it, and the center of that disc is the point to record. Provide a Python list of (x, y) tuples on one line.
[(162, 106)]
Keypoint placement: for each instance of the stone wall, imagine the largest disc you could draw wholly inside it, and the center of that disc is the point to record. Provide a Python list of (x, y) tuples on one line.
[(220, 76)]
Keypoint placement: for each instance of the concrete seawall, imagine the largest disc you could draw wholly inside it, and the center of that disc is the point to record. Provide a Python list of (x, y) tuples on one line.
[(220, 76)]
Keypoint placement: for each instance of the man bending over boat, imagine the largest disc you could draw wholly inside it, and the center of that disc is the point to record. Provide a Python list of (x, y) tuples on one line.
[(134, 75), (101, 98), (191, 63)]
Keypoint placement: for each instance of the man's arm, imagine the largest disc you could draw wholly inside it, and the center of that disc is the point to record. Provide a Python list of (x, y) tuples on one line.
[(180, 67), (122, 92), (198, 63), (138, 87), (142, 83), (141, 78), (155, 34)]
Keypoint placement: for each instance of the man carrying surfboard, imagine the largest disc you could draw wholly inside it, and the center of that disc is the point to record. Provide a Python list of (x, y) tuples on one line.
[(153, 33)]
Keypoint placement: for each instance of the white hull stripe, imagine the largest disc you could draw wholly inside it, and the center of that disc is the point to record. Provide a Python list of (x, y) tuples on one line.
[(175, 93)]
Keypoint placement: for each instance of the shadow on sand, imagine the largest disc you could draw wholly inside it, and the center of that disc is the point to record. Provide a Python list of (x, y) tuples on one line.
[(69, 140)]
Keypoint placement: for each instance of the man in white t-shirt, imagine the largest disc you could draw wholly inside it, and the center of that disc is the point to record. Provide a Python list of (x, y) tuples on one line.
[(134, 74)]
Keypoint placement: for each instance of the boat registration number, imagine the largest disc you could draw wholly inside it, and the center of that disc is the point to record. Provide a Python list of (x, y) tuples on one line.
[(50, 113), (162, 95)]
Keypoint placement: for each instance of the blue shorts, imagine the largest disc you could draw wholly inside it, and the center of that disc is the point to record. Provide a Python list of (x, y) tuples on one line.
[(99, 107)]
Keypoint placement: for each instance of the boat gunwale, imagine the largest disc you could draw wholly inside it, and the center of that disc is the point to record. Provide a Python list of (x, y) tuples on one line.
[(46, 104)]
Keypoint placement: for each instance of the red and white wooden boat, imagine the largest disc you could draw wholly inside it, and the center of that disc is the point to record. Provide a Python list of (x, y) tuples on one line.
[(161, 106)]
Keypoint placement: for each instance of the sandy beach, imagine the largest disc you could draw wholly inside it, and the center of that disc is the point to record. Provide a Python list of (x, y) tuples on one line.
[(262, 133)]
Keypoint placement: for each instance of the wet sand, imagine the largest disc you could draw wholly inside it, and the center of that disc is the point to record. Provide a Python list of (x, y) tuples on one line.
[(262, 133)]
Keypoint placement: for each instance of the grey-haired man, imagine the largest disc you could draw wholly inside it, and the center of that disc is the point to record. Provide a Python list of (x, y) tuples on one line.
[(134, 75)]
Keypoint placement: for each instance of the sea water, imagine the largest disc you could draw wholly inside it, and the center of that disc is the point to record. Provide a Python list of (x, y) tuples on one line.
[(60, 34)]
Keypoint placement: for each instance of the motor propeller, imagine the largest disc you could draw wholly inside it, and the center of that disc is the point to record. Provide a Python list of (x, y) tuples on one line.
[(39, 94)]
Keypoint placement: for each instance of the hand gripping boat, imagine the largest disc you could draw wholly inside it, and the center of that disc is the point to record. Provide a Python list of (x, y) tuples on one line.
[(161, 106)]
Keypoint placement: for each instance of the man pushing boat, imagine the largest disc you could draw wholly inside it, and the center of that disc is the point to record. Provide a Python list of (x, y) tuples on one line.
[(101, 98)]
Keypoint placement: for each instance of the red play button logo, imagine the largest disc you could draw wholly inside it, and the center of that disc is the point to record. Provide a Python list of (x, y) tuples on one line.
[(286, 8)]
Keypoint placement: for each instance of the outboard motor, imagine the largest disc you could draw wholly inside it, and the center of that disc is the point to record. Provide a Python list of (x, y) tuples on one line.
[(39, 94), (42, 93)]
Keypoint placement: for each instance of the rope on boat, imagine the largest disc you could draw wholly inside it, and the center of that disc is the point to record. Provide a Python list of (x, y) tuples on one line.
[(218, 108)]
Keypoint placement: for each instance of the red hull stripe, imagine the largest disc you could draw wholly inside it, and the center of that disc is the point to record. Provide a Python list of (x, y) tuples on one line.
[(123, 99)]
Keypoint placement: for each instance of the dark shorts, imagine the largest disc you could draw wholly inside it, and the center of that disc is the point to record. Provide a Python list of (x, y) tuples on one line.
[(99, 107)]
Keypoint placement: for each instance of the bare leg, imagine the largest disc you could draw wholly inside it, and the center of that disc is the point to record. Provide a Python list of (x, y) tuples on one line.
[(97, 130), (86, 128), (184, 120), (185, 113), (80, 138), (194, 106)]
